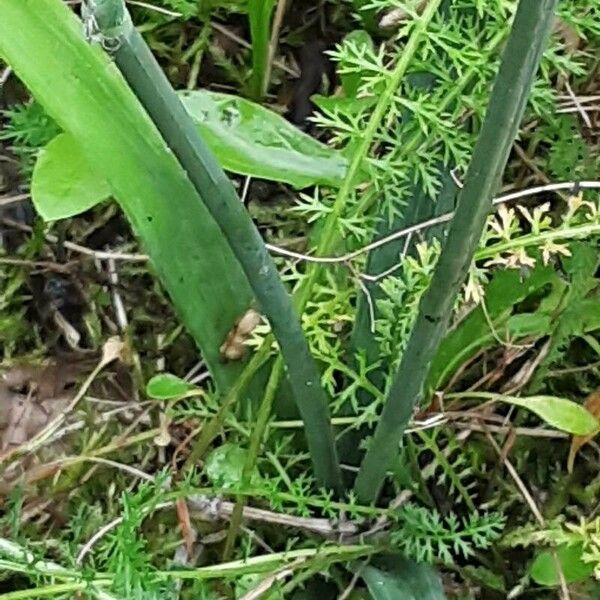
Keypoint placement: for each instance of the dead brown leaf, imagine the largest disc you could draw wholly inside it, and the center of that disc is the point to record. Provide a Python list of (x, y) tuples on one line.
[(592, 403), (30, 397), (393, 18), (568, 35), (185, 525), (234, 347)]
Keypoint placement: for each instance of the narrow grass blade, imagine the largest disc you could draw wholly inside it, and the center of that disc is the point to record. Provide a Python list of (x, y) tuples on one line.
[(85, 94), (259, 14), (382, 260), (154, 91), (473, 334), (520, 62)]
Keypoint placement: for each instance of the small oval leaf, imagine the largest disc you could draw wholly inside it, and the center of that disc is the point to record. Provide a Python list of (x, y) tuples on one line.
[(166, 386), (560, 413), (225, 465), (592, 404), (544, 572), (63, 185), (249, 139)]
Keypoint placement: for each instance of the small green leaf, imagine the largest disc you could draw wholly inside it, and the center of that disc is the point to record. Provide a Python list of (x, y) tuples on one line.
[(543, 569), (485, 576), (166, 386), (408, 581), (558, 412), (252, 140), (225, 464), (63, 185)]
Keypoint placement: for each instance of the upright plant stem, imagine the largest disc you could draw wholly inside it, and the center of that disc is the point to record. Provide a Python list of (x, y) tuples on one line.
[(275, 30), (253, 450), (155, 93), (211, 429), (520, 62), (331, 232)]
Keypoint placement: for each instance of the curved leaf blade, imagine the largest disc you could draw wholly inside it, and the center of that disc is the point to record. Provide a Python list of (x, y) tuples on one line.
[(249, 139), (246, 138), (560, 413), (473, 333)]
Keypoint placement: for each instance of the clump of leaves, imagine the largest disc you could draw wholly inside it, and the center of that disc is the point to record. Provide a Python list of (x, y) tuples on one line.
[(27, 129)]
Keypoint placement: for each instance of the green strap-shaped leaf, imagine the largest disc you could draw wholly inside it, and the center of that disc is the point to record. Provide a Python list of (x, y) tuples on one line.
[(519, 66), (86, 95), (560, 413), (474, 333)]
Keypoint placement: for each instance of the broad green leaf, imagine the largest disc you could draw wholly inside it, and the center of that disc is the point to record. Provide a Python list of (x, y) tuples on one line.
[(558, 412), (544, 572), (252, 140), (81, 89), (408, 581), (225, 464), (166, 386), (246, 138), (63, 184)]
